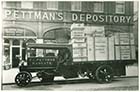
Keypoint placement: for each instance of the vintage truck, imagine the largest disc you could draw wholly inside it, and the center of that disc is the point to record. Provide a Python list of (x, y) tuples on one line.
[(94, 56)]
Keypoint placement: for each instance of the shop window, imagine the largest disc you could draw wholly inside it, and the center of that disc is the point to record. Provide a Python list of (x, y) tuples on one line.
[(50, 35), (98, 6), (6, 55), (16, 42), (40, 5), (29, 33), (76, 6), (120, 7), (6, 45), (51, 5), (13, 4)]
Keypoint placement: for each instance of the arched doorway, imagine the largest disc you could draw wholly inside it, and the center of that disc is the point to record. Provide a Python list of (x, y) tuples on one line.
[(17, 40)]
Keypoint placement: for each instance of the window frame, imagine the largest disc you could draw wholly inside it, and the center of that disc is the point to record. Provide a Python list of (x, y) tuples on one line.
[(102, 8), (37, 5), (52, 8), (75, 3), (16, 4), (23, 6), (120, 2)]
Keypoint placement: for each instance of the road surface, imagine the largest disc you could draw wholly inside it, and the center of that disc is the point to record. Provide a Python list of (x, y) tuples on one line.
[(79, 85)]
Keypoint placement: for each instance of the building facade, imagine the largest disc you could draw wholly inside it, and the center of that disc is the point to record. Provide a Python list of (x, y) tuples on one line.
[(49, 22)]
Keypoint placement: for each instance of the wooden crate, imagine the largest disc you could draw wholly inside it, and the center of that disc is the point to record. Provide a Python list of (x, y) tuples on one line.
[(133, 52), (101, 52), (111, 48), (77, 26), (79, 52), (78, 39), (77, 34), (80, 59), (90, 48), (125, 52), (77, 45)]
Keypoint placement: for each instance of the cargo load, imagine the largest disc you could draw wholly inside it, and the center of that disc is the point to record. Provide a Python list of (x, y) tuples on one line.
[(98, 47)]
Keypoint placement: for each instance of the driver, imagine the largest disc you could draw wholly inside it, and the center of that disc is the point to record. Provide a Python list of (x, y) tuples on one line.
[(63, 55)]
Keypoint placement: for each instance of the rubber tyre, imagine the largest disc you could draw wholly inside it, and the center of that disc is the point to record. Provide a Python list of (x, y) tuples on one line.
[(104, 74), (23, 79)]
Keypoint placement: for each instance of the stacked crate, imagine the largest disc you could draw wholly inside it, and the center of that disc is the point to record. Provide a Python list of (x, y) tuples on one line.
[(78, 43), (124, 46)]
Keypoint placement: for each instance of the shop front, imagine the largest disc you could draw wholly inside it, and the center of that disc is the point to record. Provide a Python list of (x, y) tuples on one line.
[(15, 40), (43, 26)]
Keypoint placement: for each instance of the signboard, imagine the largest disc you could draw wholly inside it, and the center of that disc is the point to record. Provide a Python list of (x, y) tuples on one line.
[(65, 16)]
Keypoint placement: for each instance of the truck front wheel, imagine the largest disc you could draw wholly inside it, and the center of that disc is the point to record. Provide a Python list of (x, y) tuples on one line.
[(23, 78), (104, 74)]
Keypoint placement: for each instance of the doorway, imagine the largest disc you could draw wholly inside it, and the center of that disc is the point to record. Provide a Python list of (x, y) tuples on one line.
[(15, 59)]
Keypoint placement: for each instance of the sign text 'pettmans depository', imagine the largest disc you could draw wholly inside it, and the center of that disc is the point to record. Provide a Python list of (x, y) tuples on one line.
[(62, 16)]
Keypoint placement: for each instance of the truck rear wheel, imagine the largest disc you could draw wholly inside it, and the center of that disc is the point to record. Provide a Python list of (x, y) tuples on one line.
[(104, 74), (23, 78)]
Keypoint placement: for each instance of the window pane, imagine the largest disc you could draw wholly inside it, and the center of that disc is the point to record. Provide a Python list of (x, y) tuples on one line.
[(120, 7), (29, 33), (27, 4), (76, 6), (6, 41), (13, 4), (40, 5), (16, 42), (50, 35), (99, 7), (52, 5)]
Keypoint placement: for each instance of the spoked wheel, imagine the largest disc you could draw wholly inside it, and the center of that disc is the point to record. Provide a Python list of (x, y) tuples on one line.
[(104, 74), (23, 78)]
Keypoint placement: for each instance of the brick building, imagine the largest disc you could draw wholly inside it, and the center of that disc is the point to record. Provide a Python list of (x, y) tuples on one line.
[(49, 22)]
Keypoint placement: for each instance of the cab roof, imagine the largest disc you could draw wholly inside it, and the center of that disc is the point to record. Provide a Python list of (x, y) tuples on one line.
[(49, 46)]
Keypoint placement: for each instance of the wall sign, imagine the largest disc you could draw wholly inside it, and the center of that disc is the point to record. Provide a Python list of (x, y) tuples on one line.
[(65, 16)]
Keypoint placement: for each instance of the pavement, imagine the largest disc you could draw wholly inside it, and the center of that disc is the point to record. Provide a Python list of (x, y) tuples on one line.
[(8, 76)]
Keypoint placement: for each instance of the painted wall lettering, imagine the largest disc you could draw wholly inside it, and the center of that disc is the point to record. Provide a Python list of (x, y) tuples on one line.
[(59, 16)]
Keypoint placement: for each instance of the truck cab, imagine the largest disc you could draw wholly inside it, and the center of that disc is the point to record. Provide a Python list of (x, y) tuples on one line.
[(45, 60)]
